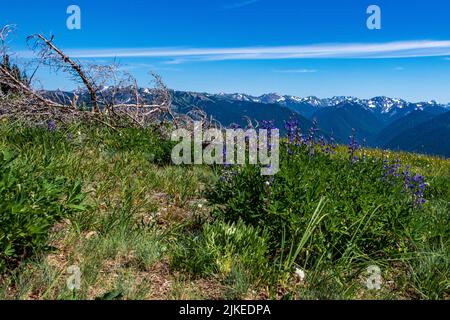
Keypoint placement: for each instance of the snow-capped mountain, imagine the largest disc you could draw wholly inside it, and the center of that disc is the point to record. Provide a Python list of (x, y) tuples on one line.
[(337, 100), (311, 100), (239, 97), (382, 106), (385, 108), (385, 104), (271, 98)]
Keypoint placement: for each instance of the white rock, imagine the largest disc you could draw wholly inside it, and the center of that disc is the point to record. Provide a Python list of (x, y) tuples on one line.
[(300, 274)]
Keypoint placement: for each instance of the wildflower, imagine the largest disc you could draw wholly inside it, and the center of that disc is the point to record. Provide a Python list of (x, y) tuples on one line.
[(224, 154), (392, 171), (362, 148), (293, 134), (333, 145), (418, 185), (323, 144), (310, 141), (353, 146), (51, 125), (291, 127), (413, 184), (268, 125)]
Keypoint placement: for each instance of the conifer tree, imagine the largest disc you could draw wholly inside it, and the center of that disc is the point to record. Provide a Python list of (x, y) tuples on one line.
[(15, 71)]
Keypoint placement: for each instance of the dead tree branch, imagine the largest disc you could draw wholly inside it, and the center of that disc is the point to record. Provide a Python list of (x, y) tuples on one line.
[(113, 94), (47, 56)]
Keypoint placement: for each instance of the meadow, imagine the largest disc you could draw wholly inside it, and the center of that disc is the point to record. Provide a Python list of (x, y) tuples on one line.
[(111, 203)]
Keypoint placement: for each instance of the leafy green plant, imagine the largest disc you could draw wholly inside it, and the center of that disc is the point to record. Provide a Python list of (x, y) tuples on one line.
[(151, 144), (32, 202), (222, 247), (362, 212)]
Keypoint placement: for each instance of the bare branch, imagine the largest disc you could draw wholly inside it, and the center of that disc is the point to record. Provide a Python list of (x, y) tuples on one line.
[(114, 95), (47, 56)]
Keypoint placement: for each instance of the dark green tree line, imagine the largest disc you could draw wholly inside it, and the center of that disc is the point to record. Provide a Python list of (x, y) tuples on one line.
[(14, 70)]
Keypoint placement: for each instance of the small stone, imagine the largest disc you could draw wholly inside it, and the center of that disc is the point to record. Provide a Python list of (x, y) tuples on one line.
[(300, 274), (91, 234)]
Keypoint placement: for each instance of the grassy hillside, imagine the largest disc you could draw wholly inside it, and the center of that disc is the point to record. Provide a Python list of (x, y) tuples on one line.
[(111, 203)]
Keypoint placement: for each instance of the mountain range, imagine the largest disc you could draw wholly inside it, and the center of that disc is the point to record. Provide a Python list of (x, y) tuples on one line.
[(383, 122)]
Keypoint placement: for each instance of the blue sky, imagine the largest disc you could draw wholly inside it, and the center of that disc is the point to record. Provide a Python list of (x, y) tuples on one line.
[(299, 47)]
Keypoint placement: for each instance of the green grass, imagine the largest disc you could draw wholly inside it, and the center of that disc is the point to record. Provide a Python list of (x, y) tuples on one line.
[(141, 228)]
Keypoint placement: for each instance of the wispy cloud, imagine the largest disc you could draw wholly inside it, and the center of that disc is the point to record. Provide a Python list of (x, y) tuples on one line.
[(143, 66), (386, 50), (240, 4), (399, 69), (296, 71)]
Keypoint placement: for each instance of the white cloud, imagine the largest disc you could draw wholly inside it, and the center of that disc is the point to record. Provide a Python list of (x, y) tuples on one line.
[(297, 71), (146, 66), (387, 50)]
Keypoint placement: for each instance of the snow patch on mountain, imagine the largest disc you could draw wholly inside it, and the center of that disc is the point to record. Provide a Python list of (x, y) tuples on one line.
[(380, 105)]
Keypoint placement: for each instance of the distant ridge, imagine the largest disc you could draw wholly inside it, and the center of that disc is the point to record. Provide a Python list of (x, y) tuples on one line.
[(382, 121)]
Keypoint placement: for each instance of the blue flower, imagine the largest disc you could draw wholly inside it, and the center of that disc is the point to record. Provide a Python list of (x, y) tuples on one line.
[(353, 146), (51, 125), (412, 184)]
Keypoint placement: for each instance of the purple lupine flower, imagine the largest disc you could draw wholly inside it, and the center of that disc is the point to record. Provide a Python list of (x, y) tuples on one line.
[(310, 141), (413, 184), (269, 126), (391, 172), (322, 143), (224, 155), (353, 146), (364, 156), (51, 125), (333, 145), (418, 186), (293, 134), (291, 127), (407, 177)]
